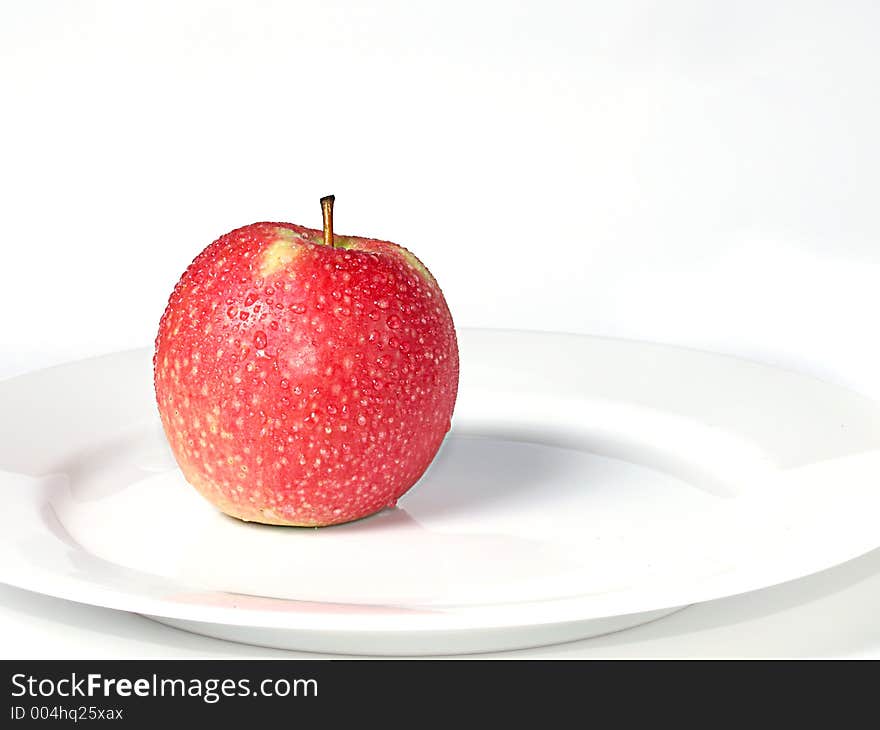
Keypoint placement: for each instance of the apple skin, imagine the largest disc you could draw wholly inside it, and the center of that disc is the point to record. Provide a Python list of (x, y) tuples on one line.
[(304, 384)]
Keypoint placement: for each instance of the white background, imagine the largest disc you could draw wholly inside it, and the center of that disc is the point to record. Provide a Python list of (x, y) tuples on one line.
[(702, 173), (698, 173)]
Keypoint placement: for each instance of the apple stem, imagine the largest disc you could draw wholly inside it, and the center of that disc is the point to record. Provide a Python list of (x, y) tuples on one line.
[(327, 211)]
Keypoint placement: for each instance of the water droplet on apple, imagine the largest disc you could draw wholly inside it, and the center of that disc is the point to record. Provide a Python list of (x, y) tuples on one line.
[(285, 383), (244, 315), (383, 361), (250, 299), (331, 409), (260, 340), (298, 308), (382, 304), (362, 421), (231, 312), (393, 321)]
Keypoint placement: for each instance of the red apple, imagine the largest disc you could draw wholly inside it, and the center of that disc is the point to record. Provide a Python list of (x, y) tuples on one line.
[(302, 377)]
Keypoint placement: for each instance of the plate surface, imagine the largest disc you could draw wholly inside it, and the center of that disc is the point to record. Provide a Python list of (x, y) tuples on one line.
[(588, 485)]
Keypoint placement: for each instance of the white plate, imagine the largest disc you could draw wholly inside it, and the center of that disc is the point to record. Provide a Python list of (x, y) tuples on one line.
[(588, 485)]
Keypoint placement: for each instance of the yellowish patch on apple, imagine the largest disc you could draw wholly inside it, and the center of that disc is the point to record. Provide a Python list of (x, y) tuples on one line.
[(420, 268), (281, 252)]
